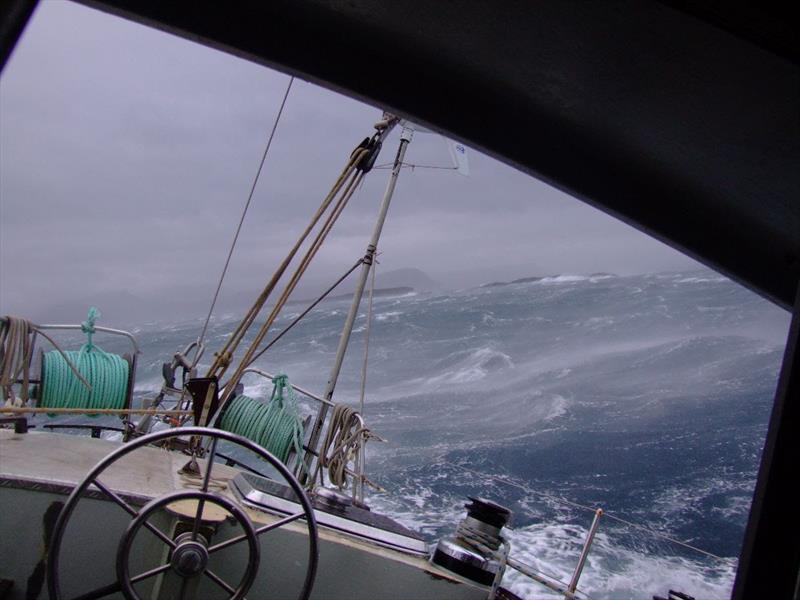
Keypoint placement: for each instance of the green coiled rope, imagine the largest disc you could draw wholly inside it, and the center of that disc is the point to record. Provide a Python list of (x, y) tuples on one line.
[(106, 373), (275, 425)]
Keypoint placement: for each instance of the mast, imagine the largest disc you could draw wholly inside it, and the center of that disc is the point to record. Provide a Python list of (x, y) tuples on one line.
[(369, 257)]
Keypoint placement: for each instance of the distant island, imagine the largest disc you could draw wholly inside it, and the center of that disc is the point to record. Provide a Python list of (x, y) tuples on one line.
[(527, 279), (378, 293), (520, 280), (534, 279)]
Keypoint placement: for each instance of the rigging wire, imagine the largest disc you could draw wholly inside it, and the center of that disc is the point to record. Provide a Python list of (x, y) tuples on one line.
[(299, 317), (241, 220), (224, 356), (413, 166), (360, 261)]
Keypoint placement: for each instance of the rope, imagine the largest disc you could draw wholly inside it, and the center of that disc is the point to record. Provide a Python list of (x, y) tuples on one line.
[(307, 310), (327, 226), (345, 438), (485, 543), (17, 339), (241, 220), (275, 426), (224, 356), (106, 372), (16, 348), (87, 326)]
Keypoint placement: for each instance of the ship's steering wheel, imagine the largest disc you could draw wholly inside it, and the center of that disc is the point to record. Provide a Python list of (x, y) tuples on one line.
[(189, 552)]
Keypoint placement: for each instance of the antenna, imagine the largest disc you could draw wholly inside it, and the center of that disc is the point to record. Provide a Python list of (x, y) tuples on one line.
[(458, 151)]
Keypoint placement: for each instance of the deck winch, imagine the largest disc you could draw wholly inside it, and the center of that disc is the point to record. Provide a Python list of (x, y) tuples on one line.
[(474, 552)]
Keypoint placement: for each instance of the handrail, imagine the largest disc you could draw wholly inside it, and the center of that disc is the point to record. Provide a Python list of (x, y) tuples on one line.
[(295, 387), (96, 328), (549, 582)]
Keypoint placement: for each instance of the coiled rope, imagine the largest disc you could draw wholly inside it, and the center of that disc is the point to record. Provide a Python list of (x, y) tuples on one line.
[(483, 541), (106, 373), (275, 425), (17, 339), (345, 438)]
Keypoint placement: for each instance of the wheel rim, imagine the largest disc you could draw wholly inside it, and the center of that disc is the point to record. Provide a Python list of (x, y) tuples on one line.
[(124, 583)]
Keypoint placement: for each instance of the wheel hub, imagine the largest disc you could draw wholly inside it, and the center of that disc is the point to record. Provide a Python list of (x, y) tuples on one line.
[(189, 559)]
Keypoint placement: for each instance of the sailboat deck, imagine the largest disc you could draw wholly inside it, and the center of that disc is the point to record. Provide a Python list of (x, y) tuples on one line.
[(56, 463)]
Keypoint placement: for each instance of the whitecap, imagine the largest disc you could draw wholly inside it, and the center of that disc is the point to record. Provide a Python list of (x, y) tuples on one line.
[(613, 570), (564, 279), (389, 315), (702, 280), (474, 366)]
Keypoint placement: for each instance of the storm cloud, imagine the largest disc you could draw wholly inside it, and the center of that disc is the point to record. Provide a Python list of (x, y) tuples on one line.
[(126, 157)]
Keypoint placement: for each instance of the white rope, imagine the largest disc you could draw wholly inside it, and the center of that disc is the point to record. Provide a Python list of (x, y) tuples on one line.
[(17, 339), (344, 441), (16, 350)]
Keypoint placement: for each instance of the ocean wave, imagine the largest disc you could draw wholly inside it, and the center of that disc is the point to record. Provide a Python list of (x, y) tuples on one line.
[(613, 570), (392, 315), (595, 323), (618, 567), (149, 386), (317, 345), (719, 279), (727, 496), (565, 279), (476, 365), (702, 279)]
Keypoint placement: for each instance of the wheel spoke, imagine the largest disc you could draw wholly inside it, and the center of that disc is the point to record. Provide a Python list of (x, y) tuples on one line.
[(132, 512), (115, 497), (259, 531), (102, 592), (216, 579), (279, 523), (210, 464), (201, 503), (150, 573), (130, 504)]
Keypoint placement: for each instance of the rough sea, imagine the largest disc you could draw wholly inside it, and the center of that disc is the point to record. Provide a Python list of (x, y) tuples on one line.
[(647, 396)]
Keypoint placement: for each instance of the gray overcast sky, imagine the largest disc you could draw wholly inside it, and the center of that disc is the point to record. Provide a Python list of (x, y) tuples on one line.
[(126, 156)]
